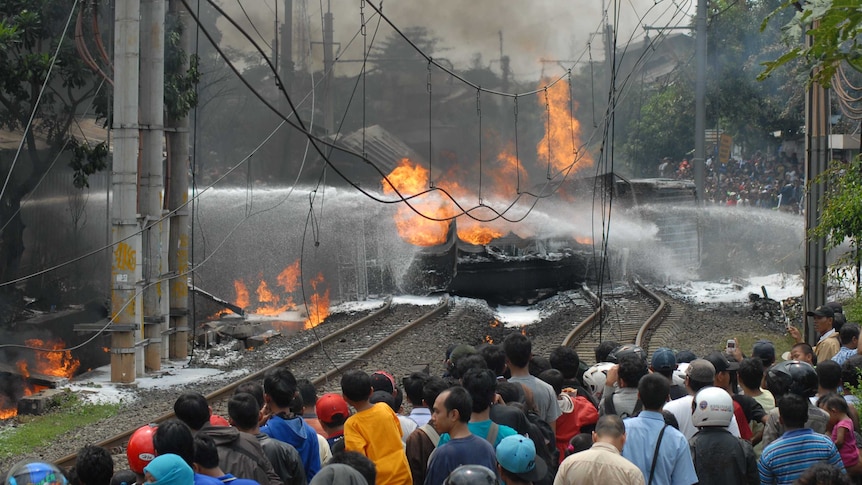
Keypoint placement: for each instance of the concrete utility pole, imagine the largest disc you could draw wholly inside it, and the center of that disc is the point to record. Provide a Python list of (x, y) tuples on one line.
[(178, 196), (700, 103), (151, 189), (125, 271), (816, 161), (328, 73)]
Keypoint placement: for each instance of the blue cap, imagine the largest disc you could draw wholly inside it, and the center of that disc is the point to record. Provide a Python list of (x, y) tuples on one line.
[(663, 359), (517, 455)]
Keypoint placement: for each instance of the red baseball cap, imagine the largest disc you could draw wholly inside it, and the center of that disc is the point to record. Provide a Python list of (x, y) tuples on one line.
[(329, 405)]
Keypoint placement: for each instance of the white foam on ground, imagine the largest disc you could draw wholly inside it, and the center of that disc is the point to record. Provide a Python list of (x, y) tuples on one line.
[(778, 287), (517, 316)]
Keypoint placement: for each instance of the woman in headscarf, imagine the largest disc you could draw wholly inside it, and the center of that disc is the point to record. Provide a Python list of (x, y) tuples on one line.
[(169, 469)]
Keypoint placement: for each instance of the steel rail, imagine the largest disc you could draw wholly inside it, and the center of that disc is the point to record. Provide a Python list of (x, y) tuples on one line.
[(118, 441)]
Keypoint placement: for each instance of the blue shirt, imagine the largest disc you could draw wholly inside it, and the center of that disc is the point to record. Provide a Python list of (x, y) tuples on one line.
[(481, 429), (232, 480), (843, 354), (786, 458), (471, 450), (674, 465), (297, 433)]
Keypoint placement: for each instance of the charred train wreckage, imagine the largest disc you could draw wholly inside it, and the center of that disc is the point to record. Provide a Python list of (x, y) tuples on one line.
[(515, 270)]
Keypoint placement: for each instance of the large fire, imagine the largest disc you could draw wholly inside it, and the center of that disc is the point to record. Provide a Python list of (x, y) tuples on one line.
[(57, 363), (272, 301), (423, 220)]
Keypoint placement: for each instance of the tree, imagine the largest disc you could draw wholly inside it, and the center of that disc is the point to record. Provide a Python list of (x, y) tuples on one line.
[(833, 30), (28, 40)]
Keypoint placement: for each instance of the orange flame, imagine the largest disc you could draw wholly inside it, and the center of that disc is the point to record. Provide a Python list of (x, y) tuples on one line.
[(558, 148), (289, 277), (584, 239), (59, 364), (495, 323), (318, 307), (266, 296), (488, 339), (411, 179), (242, 299)]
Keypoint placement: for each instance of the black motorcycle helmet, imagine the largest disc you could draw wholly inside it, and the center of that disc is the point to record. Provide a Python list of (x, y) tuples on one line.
[(626, 349), (471, 475), (792, 376)]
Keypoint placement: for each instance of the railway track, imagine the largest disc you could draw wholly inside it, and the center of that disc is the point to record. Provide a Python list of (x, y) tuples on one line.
[(338, 351), (631, 314)]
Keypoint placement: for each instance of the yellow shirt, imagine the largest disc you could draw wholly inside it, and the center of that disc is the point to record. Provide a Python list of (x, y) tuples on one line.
[(376, 433)]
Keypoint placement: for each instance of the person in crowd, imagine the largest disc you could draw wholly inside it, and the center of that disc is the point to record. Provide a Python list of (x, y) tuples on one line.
[(603, 349), (823, 474), (125, 477), (244, 410), (750, 379), (567, 361), (338, 474), (828, 344), (206, 462), (413, 384), (308, 393), (620, 396), (578, 416), (785, 459), (519, 349), (471, 475), (828, 379), (481, 385), (580, 442), (719, 457), (849, 336), (685, 356), (802, 352), (450, 414), (457, 353), (94, 465), (140, 450), (765, 351), (495, 359), (279, 393), (374, 430), (407, 424), (793, 377), (422, 442), (32, 472), (169, 469), (175, 437), (850, 378), (517, 463), (700, 373), (841, 429), (602, 463), (660, 451), (240, 453), (358, 462), (663, 362), (383, 381), (725, 378), (332, 411)]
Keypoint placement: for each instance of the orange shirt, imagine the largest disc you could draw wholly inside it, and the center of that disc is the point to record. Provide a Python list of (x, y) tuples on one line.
[(376, 433)]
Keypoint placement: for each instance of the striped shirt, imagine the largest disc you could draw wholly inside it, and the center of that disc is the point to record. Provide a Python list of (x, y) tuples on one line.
[(786, 458)]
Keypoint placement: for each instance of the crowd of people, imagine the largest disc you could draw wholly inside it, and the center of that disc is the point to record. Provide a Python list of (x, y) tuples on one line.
[(759, 181), (503, 415)]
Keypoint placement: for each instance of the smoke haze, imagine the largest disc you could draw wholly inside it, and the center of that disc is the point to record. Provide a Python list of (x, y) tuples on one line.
[(532, 31)]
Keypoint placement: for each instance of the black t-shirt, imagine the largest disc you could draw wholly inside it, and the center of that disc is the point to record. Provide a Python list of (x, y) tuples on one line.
[(750, 407)]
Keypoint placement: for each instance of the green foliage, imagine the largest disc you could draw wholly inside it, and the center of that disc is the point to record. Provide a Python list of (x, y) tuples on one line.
[(841, 206), (833, 30), (86, 160), (853, 309), (34, 432), (180, 93)]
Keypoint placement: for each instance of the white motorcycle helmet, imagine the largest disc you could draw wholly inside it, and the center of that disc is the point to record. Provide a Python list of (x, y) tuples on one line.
[(679, 374), (712, 406), (596, 376)]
